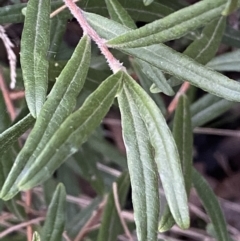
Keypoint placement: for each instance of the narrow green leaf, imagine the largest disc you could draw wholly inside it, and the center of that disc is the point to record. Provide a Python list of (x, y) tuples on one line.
[(55, 219), (182, 133), (119, 14), (204, 48), (207, 108), (231, 6), (147, 2), (36, 237), (142, 168), (172, 62), (146, 84), (226, 62), (34, 47), (59, 105), (171, 27), (156, 76), (110, 224), (11, 135), (72, 133), (211, 206), (160, 144)]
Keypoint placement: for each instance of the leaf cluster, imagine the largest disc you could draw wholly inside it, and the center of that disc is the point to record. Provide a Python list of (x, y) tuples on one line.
[(69, 92)]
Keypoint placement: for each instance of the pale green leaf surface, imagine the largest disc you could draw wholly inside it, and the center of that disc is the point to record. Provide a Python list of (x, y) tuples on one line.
[(111, 224), (156, 76), (72, 133), (36, 237), (231, 6), (141, 166), (151, 72), (171, 27), (34, 46), (226, 62), (119, 14), (164, 151), (182, 133), (55, 218), (204, 48), (172, 62), (59, 105), (211, 206), (146, 84)]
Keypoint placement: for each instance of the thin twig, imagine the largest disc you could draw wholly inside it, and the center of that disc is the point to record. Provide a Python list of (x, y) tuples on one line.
[(58, 10), (16, 95), (173, 105), (95, 216), (65, 236), (11, 56), (19, 226), (8, 101), (217, 132), (117, 205), (28, 205), (113, 63)]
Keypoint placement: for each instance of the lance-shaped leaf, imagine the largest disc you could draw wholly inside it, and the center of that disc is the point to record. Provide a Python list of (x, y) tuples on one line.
[(119, 14), (171, 27), (11, 135), (171, 61), (182, 133), (59, 105), (156, 76), (204, 48), (226, 62), (161, 145), (146, 85), (55, 219), (141, 166), (71, 134), (111, 225), (34, 47), (211, 205), (36, 237), (208, 108)]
